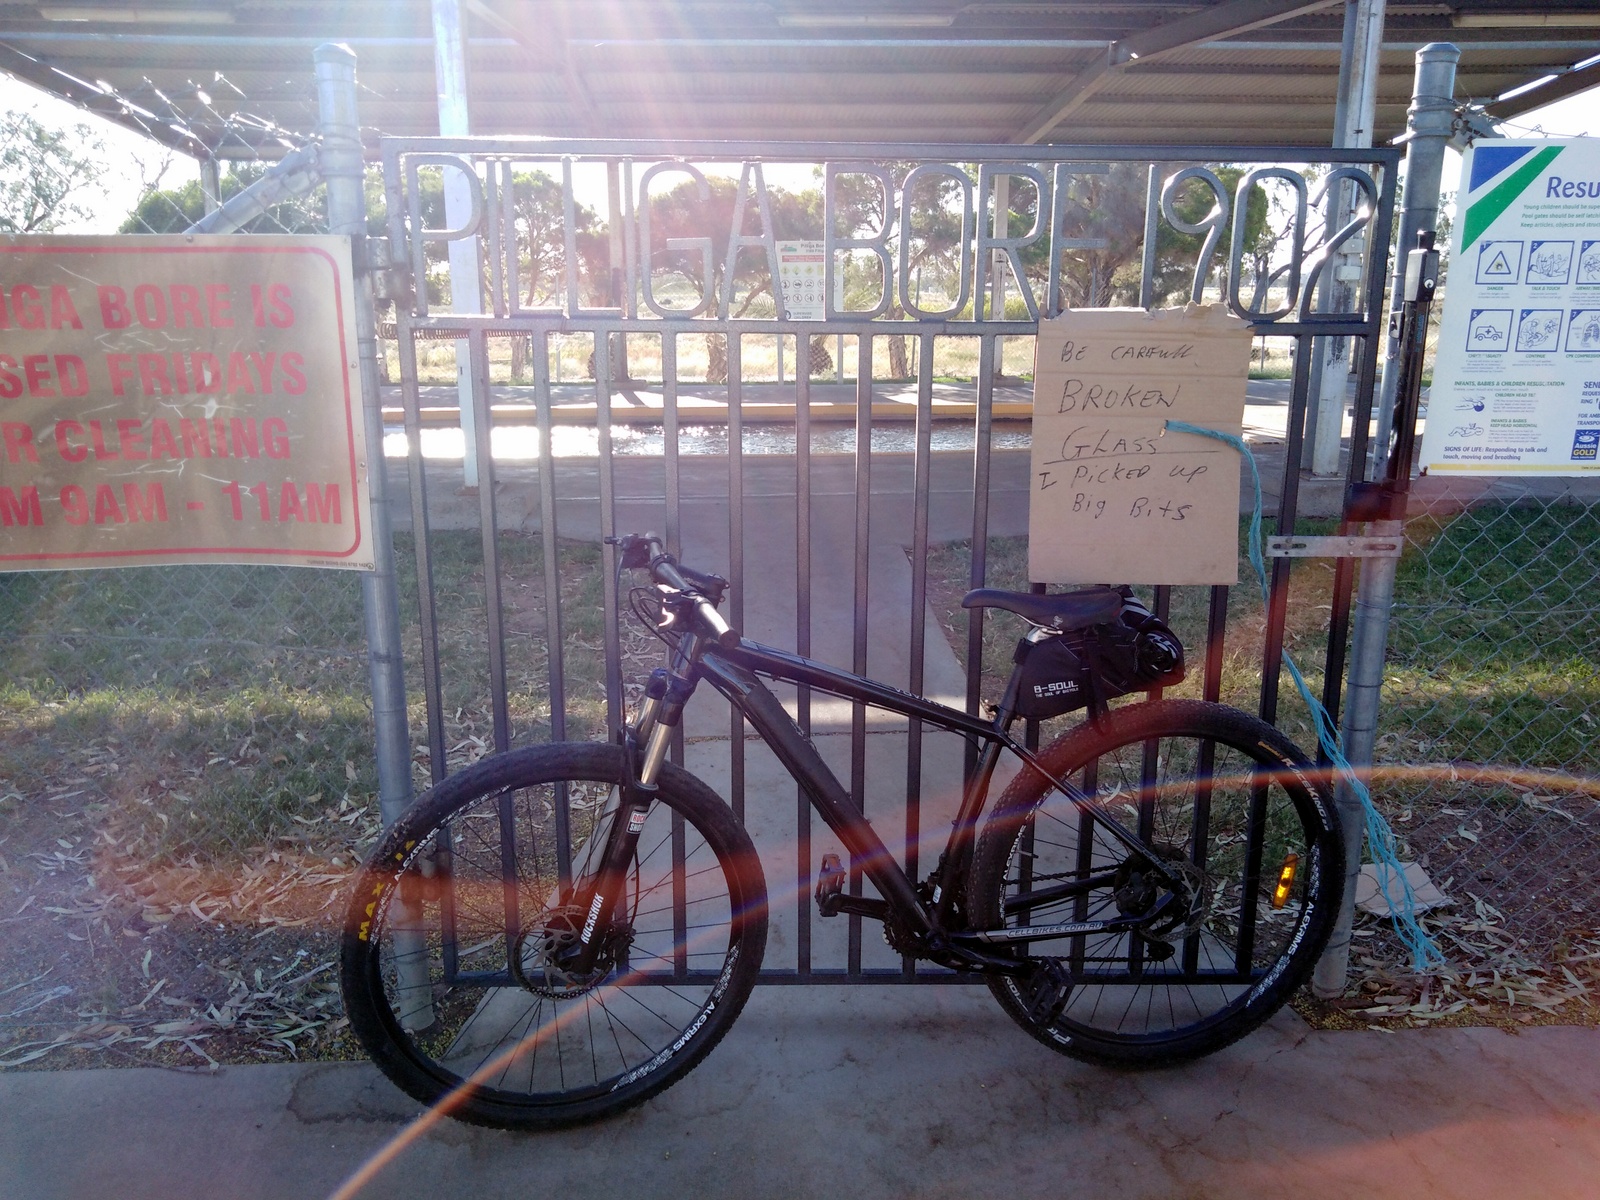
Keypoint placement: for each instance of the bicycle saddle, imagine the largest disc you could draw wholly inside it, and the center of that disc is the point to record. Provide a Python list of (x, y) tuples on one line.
[(1065, 610)]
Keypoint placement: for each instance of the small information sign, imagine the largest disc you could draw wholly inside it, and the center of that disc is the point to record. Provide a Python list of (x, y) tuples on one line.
[(180, 399), (801, 267), (1516, 375)]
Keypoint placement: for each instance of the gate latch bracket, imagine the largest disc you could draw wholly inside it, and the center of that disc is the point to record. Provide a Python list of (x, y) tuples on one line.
[(1334, 547)]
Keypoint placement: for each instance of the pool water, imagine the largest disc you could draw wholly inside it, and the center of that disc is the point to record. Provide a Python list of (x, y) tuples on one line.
[(512, 443)]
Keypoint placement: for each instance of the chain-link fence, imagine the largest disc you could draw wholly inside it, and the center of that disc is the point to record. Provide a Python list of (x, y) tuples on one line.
[(1486, 757), (185, 752)]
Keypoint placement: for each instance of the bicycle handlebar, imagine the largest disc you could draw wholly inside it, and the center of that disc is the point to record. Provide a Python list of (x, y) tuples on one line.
[(645, 551)]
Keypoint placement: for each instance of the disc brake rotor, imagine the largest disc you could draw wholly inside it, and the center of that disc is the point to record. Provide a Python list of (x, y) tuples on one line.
[(540, 952), (1138, 890)]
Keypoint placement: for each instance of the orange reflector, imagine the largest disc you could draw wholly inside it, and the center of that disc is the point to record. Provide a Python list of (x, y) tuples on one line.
[(1280, 894)]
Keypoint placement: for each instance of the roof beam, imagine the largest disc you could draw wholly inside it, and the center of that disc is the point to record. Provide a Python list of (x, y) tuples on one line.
[(1567, 83), (1219, 21), (92, 99), (535, 38)]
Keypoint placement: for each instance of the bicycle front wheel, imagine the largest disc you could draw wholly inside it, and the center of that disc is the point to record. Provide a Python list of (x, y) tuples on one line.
[(453, 974), (1233, 810)]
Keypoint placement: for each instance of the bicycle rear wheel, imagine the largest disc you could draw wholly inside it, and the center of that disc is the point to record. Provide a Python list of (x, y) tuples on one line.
[(1230, 805), (451, 974)]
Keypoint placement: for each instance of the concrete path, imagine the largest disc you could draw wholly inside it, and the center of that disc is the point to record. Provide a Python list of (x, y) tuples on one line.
[(1265, 421), (866, 1093)]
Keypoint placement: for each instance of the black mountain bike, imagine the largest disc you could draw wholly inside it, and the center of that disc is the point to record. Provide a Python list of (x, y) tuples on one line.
[(557, 933)]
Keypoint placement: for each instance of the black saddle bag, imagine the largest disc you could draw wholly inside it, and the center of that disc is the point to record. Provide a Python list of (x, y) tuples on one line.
[(1136, 652)]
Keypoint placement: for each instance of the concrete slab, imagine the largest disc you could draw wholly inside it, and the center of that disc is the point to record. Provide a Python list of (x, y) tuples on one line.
[(867, 1092)]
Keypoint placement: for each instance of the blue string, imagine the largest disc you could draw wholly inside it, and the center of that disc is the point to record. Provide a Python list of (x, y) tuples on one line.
[(1380, 838)]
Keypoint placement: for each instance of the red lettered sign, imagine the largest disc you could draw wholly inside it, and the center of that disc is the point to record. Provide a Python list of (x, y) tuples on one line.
[(177, 399)]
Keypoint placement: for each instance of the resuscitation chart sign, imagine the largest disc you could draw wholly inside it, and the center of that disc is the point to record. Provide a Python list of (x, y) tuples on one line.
[(1116, 497), (180, 399), (1516, 376), (802, 268)]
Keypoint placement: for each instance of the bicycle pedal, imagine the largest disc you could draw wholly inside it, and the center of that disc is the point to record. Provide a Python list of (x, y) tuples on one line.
[(830, 886), (1045, 990)]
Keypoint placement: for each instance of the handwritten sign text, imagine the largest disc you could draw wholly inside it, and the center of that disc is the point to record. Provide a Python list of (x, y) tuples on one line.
[(1117, 497)]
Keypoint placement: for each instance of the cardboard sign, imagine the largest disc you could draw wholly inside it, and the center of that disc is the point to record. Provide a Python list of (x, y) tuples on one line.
[(177, 399), (1116, 497)]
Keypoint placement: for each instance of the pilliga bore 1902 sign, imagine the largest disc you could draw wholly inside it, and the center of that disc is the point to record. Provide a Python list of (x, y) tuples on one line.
[(172, 399)]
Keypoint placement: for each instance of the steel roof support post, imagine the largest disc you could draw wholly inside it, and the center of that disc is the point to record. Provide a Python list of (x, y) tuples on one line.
[(450, 77), (1428, 125), (999, 264), (211, 184), (342, 167), (1359, 67)]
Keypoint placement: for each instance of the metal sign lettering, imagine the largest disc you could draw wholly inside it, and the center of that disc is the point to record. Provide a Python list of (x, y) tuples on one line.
[(873, 219)]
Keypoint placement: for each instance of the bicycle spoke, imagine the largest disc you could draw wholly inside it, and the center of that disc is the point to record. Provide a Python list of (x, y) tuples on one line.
[(1216, 827), (554, 1038)]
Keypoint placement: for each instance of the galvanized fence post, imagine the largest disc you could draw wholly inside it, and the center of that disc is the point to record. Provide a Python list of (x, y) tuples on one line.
[(1429, 124), (342, 167)]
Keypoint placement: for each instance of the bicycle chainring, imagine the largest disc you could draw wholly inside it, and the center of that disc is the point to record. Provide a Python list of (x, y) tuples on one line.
[(898, 938)]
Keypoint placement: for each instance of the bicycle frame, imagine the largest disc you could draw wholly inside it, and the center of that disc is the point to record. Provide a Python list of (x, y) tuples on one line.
[(732, 668), (703, 647)]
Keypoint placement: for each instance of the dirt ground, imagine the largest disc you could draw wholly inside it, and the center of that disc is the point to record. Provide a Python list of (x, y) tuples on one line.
[(104, 962)]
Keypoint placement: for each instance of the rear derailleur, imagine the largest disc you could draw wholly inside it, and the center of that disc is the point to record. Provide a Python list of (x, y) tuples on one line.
[(1176, 897)]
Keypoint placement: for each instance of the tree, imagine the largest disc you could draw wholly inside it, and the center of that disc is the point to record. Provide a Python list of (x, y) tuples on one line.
[(682, 212), (539, 216), (1109, 208), (173, 210), (539, 220), (47, 176), (937, 233)]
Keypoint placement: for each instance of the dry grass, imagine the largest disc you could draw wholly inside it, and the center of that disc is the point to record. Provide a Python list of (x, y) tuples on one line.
[(178, 821)]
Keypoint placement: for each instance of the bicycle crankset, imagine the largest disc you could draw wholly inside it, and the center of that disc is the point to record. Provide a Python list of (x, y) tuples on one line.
[(541, 954)]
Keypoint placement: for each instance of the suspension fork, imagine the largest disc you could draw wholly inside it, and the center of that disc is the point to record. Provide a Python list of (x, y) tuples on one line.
[(647, 741)]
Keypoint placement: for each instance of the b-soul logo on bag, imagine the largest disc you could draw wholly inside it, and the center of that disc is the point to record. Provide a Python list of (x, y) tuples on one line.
[(1058, 690)]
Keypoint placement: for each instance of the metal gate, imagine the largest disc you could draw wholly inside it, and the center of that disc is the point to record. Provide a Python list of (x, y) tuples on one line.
[(849, 455)]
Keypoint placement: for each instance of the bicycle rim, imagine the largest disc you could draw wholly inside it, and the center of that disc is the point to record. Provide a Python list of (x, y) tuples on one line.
[(1227, 803), (466, 1004)]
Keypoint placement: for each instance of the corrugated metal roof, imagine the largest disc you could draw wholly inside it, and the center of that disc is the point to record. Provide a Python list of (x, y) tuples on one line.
[(937, 70)]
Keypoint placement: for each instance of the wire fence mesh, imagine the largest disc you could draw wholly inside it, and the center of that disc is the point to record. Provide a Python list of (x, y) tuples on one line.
[(1486, 759)]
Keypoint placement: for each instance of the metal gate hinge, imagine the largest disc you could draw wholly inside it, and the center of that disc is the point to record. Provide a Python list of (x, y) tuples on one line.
[(373, 256), (1334, 547)]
